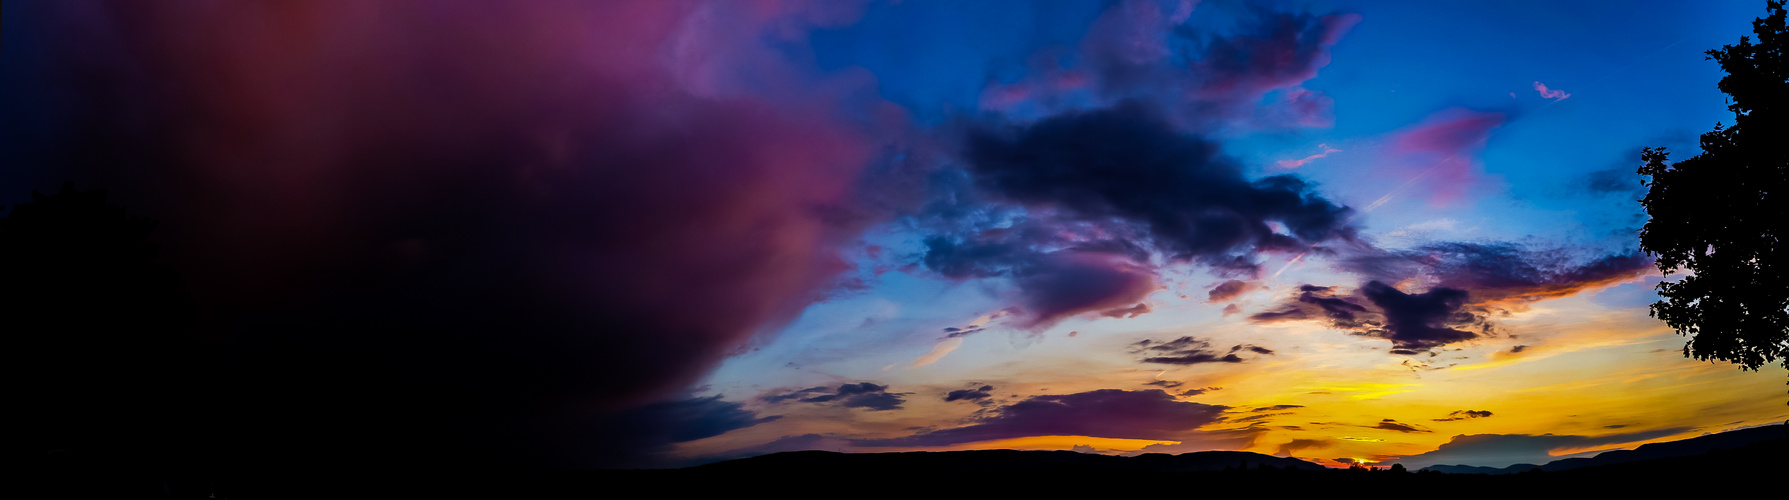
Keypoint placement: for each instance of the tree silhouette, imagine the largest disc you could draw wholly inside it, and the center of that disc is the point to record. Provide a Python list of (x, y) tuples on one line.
[(1723, 215)]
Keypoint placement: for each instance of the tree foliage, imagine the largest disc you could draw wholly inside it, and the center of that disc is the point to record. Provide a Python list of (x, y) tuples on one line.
[(1723, 215)]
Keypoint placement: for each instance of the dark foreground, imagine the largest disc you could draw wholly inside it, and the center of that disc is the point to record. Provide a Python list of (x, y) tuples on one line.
[(1756, 468), (819, 474)]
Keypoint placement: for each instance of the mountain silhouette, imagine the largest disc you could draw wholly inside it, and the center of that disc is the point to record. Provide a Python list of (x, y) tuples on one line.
[(1683, 448), (987, 461)]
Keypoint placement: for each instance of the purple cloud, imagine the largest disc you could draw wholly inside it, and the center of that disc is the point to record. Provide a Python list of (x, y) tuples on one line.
[(1183, 351), (1463, 415), (1503, 450), (1443, 150), (1108, 413), (865, 395), (1230, 290), (1471, 282), (1139, 50), (1502, 273)]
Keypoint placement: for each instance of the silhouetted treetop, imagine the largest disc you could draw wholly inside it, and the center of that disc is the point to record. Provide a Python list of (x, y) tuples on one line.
[(1722, 214)]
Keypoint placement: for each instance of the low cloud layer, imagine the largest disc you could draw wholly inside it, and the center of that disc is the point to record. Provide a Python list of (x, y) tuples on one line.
[(1503, 450), (1107, 413)]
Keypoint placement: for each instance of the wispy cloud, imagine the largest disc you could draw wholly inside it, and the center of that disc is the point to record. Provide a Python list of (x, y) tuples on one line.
[(1554, 94), (1301, 161)]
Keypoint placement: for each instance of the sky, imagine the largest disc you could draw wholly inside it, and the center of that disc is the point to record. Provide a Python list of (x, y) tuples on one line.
[(660, 233)]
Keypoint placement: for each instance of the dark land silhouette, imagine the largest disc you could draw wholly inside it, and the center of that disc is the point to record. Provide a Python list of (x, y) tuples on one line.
[(1739, 457), (1711, 443)]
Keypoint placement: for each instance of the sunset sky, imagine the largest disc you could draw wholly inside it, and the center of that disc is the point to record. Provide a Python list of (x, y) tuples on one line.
[(659, 233)]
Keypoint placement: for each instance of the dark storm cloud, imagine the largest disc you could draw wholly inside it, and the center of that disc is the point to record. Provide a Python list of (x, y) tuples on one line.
[(1502, 450), (1099, 193), (487, 222), (1109, 413), (1130, 168), (1463, 415), (1415, 322), (1182, 351), (975, 394), (1126, 163)]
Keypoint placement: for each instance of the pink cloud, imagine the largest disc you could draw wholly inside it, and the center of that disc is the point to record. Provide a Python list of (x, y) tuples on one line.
[(1442, 151), (1231, 289), (1557, 95), (1301, 161)]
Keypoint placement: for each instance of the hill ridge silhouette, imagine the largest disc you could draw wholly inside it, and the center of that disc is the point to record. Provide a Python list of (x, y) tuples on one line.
[(1699, 445), (990, 460)]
